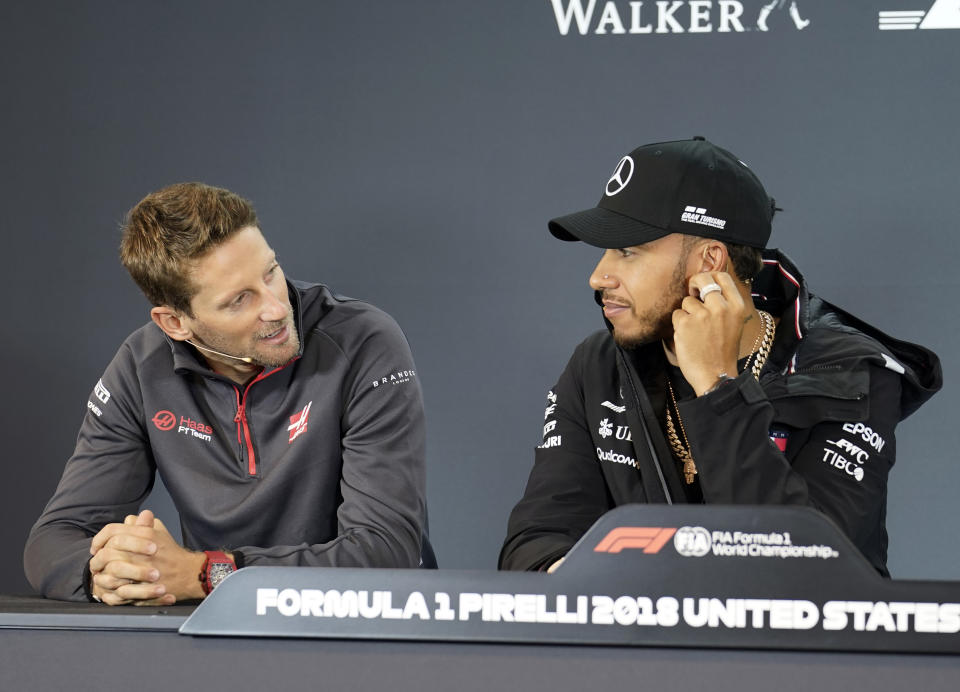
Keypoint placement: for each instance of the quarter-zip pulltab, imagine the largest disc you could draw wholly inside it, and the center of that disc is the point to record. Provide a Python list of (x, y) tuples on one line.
[(243, 433), (244, 438)]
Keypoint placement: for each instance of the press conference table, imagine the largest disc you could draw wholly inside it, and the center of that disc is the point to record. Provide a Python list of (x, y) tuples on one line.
[(46, 646)]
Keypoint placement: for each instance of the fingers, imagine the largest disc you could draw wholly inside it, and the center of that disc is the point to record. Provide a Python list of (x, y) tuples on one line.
[(698, 282), (145, 518), (111, 530), (136, 593), (165, 600)]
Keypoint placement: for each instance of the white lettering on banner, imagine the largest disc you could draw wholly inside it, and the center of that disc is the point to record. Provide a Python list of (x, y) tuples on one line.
[(739, 613), (625, 610), (521, 607), (697, 541), (348, 604), (670, 16), (867, 616)]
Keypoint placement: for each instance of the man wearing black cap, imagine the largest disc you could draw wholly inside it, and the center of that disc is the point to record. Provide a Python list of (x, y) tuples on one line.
[(719, 379)]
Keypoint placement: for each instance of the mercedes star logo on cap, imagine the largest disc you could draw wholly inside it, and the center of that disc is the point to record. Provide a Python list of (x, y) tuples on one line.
[(621, 176)]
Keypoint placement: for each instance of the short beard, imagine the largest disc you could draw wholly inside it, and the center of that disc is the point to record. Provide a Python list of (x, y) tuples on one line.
[(657, 322), (214, 341)]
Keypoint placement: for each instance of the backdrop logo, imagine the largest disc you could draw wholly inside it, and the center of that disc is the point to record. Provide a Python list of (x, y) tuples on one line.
[(164, 420), (649, 538), (944, 14), (674, 16)]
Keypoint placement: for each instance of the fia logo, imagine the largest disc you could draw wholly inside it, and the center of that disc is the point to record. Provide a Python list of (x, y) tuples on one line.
[(944, 14)]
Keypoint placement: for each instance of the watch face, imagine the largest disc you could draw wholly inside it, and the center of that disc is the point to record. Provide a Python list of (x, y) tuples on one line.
[(219, 571)]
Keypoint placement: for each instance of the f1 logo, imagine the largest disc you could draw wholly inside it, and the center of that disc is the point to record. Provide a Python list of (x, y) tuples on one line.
[(650, 538)]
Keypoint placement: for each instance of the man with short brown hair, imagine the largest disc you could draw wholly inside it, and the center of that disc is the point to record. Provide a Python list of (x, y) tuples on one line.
[(285, 421)]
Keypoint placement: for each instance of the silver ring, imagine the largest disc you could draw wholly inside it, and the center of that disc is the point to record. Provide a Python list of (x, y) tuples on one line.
[(708, 289)]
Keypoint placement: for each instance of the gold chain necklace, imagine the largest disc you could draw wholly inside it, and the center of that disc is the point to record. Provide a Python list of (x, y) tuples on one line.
[(681, 450)]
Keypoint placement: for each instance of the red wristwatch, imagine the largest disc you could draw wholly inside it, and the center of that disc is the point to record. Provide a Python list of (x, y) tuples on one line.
[(216, 568)]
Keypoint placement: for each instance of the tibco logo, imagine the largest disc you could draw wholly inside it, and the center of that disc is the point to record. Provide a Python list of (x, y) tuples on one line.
[(164, 420), (650, 538)]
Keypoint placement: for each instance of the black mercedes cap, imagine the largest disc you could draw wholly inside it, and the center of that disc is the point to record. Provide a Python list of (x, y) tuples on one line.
[(688, 186)]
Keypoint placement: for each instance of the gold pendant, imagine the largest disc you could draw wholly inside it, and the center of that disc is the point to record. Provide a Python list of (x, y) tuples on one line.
[(689, 468)]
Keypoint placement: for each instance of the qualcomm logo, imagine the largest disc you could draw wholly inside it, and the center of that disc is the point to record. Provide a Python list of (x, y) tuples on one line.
[(945, 14), (674, 16)]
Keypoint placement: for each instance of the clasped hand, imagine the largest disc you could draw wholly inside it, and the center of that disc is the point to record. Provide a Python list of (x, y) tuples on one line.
[(139, 562)]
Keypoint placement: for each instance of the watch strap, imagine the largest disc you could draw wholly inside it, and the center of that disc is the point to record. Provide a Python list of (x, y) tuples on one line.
[(217, 567)]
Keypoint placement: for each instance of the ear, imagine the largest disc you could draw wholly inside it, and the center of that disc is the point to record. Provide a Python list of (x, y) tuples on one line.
[(712, 256), (171, 322)]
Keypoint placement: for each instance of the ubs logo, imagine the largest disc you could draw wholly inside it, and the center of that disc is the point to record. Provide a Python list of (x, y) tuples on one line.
[(164, 420)]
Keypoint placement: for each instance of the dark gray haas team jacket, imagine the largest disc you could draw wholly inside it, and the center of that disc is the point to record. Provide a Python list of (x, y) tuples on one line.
[(816, 430), (320, 462)]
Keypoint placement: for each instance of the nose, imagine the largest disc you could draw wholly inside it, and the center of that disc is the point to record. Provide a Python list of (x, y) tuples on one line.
[(275, 308), (601, 278)]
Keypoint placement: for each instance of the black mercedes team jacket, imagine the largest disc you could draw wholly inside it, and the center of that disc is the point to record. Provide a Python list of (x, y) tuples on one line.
[(817, 430)]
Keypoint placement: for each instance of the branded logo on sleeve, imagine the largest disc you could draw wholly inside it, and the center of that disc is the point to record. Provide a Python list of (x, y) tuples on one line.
[(650, 539), (550, 425), (298, 422), (780, 438), (101, 392), (395, 378)]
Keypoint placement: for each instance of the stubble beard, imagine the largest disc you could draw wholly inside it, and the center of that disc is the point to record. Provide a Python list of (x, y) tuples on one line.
[(656, 323), (271, 357)]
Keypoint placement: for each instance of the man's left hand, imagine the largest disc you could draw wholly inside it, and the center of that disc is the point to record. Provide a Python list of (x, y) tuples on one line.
[(178, 567)]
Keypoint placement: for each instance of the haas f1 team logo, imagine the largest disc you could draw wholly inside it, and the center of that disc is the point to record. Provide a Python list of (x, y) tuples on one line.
[(648, 538), (164, 420)]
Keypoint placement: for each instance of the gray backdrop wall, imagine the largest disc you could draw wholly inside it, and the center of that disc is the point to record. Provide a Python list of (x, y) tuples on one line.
[(411, 152)]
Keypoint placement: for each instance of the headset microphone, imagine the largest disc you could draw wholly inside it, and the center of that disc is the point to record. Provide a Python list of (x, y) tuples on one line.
[(225, 355)]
